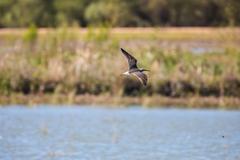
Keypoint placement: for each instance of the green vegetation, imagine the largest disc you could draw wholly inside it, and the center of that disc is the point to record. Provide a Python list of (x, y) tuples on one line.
[(52, 13), (31, 34), (70, 62)]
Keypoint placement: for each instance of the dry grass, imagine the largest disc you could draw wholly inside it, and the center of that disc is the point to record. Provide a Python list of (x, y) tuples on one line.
[(168, 33), (73, 62)]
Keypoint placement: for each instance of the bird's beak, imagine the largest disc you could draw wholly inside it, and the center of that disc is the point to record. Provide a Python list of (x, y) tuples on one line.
[(125, 74)]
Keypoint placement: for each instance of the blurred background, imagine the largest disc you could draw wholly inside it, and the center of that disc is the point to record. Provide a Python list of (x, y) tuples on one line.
[(58, 51), (119, 13), (62, 95)]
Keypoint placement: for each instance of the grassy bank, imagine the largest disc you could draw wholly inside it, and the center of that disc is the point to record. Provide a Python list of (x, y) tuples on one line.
[(122, 101), (72, 63), (165, 33)]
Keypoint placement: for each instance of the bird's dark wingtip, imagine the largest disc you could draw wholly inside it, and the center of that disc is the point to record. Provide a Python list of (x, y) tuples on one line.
[(122, 49)]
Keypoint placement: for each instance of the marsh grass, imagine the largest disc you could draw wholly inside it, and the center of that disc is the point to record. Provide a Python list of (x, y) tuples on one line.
[(61, 63)]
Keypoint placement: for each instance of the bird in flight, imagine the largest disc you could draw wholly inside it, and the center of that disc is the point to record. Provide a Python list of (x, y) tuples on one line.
[(133, 69)]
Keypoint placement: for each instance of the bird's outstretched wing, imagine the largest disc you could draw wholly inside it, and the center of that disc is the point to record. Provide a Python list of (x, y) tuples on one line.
[(132, 62), (141, 76)]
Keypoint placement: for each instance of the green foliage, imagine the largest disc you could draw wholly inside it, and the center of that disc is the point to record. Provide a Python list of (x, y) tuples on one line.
[(22, 13), (218, 69), (100, 34), (5, 86), (70, 11), (52, 13), (232, 12), (113, 13), (31, 34), (169, 61), (238, 62)]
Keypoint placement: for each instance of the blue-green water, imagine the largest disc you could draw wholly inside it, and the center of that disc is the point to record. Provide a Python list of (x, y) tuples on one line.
[(66, 133)]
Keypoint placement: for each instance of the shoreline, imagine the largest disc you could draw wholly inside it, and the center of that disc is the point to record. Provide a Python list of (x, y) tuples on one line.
[(160, 33), (156, 101)]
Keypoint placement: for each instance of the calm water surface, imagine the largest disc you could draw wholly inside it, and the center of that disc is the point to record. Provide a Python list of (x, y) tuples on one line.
[(66, 133)]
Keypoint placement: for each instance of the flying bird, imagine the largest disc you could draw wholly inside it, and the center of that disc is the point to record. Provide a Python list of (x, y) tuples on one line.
[(133, 69)]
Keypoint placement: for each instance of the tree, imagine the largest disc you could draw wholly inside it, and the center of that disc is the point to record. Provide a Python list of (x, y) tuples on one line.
[(22, 13), (71, 11), (113, 13)]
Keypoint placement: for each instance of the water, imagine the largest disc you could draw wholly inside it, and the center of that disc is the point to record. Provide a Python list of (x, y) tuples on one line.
[(66, 133)]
